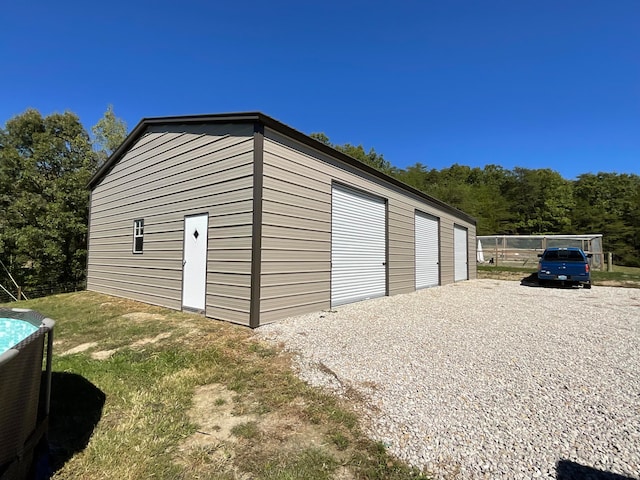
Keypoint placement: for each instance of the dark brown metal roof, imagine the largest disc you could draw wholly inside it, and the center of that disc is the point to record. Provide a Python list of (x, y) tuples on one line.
[(261, 118)]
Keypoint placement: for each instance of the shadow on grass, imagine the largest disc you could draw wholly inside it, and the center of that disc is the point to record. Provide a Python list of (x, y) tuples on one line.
[(567, 470), (76, 409)]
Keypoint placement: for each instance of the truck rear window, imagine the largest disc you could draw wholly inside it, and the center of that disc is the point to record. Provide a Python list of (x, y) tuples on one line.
[(564, 256)]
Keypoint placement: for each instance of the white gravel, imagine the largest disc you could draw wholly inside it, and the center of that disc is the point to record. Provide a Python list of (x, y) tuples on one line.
[(487, 378)]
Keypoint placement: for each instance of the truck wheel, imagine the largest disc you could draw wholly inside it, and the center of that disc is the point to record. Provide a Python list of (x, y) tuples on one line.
[(587, 286)]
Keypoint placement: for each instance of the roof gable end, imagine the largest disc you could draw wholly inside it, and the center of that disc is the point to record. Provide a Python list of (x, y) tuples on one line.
[(265, 120)]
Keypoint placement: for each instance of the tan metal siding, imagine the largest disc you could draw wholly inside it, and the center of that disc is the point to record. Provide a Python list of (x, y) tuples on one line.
[(162, 169), (164, 296), (271, 315), (189, 192), (297, 205), (446, 251), (473, 260), (170, 172), (285, 234), (295, 238)]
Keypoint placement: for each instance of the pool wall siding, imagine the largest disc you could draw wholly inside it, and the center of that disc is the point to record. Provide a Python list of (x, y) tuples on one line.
[(23, 410)]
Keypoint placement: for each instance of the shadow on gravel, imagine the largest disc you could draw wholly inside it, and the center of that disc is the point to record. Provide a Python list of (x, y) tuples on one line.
[(567, 470), (531, 280)]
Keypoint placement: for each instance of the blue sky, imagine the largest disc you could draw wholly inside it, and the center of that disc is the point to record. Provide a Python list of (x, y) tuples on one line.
[(536, 84)]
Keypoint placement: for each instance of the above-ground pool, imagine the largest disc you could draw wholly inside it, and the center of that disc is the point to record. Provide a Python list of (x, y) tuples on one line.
[(24, 408), (13, 331)]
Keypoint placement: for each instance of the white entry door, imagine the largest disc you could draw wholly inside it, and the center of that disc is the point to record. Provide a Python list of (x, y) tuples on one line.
[(194, 265), (358, 246), (461, 253)]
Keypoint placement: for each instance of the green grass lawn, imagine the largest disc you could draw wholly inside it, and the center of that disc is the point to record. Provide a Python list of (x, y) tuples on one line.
[(626, 270), (156, 393)]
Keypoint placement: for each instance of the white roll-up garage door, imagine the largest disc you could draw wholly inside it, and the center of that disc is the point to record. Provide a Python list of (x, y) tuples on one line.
[(427, 251), (461, 253), (358, 246)]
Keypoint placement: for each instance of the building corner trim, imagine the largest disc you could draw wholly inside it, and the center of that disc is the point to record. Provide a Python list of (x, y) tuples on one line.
[(256, 230), (86, 260)]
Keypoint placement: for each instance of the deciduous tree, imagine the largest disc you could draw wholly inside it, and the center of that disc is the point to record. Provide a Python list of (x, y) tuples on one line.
[(109, 133), (45, 165)]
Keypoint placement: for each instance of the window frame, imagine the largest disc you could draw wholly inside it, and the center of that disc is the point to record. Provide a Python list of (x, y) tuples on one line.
[(138, 235)]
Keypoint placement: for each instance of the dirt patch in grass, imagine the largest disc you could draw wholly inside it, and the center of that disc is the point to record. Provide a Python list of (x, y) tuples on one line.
[(289, 432), (103, 354), (213, 413), (148, 340), (83, 347), (225, 439), (106, 354), (144, 316)]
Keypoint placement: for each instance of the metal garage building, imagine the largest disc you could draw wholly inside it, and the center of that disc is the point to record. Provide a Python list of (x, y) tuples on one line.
[(247, 220)]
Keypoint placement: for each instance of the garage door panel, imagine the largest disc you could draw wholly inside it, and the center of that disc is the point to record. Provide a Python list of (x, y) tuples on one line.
[(358, 246), (460, 254), (427, 251)]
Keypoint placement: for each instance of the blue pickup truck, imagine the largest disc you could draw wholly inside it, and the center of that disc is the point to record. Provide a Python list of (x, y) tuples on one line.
[(564, 266)]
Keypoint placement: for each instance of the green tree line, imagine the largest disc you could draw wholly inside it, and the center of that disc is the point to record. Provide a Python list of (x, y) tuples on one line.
[(526, 201), (46, 163)]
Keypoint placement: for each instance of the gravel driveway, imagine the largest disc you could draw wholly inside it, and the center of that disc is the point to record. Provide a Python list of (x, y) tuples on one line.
[(487, 378)]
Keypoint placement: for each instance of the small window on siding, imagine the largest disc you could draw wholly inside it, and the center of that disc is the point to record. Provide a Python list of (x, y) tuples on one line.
[(138, 235)]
